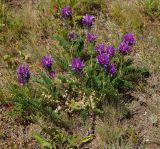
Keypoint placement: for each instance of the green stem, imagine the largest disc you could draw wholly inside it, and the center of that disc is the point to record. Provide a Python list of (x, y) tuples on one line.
[(121, 65)]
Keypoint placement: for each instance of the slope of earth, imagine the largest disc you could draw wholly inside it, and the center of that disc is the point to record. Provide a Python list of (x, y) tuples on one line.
[(143, 103)]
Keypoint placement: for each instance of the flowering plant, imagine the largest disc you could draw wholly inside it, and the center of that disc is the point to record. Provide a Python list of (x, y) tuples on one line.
[(86, 75)]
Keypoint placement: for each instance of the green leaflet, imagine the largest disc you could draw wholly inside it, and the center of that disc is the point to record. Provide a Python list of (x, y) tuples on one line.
[(88, 138), (42, 141), (64, 43)]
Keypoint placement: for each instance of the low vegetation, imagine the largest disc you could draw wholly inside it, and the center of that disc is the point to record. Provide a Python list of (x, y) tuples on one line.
[(84, 72)]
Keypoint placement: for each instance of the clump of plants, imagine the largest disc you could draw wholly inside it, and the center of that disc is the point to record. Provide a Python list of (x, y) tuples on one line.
[(80, 77), (150, 8)]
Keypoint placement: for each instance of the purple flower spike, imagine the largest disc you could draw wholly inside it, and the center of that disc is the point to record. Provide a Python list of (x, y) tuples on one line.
[(124, 48), (100, 48), (129, 39), (66, 12), (72, 36), (47, 62), (77, 64), (103, 59), (88, 20), (110, 51), (112, 69), (52, 74), (23, 74), (91, 37)]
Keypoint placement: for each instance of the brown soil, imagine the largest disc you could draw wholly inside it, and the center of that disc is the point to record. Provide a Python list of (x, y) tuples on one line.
[(15, 135)]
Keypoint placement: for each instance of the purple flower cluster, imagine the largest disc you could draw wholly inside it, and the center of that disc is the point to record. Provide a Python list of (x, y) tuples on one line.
[(72, 36), (124, 47), (91, 37), (66, 12), (105, 54), (129, 39), (52, 73), (88, 20), (103, 59), (111, 69), (23, 74), (127, 42), (77, 64), (110, 51), (102, 48), (47, 62)]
